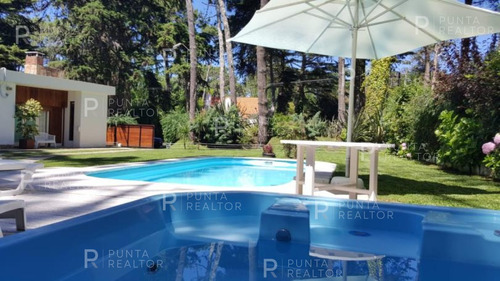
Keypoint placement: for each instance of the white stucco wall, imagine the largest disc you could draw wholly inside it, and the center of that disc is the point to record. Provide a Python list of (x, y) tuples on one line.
[(90, 120), (76, 97), (93, 118), (7, 111)]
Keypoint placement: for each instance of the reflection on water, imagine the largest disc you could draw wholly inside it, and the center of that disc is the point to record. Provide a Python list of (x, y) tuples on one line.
[(226, 262), (233, 176), (207, 172)]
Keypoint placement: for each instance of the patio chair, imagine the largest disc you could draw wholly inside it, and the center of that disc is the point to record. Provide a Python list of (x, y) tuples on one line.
[(27, 171), (13, 209), (46, 139)]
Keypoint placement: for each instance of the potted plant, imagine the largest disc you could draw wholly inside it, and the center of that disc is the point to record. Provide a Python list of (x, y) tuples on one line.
[(26, 115), (267, 151)]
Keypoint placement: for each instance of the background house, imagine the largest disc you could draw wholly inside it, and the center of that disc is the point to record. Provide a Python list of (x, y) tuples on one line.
[(249, 108), (74, 111)]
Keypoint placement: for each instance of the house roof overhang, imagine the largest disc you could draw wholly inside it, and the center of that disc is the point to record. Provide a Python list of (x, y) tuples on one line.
[(53, 83)]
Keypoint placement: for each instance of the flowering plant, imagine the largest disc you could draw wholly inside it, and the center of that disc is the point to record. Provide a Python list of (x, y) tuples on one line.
[(404, 150), (268, 148), (492, 159)]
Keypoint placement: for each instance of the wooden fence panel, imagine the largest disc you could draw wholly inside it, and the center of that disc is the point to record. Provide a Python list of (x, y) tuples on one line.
[(134, 136), (122, 135), (110, 136), (148, 135), (131, 135)]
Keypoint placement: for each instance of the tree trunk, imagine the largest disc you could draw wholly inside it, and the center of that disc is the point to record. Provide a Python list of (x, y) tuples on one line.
[(186, 91), (262, 96), (359, 93), (168, 83), (167, 75), (299, 106), (192, 60), (341, 90), (435, 66), (271, 77), (229, 49), (494, 42), (284, 92), (427, 66), (222, 62), (465, 47), (261, 89), (204, 99)]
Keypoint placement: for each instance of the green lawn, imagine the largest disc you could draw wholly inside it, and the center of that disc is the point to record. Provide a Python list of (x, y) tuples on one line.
[(400, 180)]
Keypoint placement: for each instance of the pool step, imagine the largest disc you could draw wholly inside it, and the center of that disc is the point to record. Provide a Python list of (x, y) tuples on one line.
[(284, 231)]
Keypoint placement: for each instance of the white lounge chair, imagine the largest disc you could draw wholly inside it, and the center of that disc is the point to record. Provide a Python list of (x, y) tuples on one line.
[(13, 209), (45, 138), (27, 171)]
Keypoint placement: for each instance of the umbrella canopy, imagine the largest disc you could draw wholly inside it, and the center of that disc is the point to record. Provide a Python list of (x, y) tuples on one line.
[(367, 29), (384, 27)]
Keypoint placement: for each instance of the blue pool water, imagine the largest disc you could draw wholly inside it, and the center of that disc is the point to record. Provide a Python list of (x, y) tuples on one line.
[(229, 172), (239, 236)]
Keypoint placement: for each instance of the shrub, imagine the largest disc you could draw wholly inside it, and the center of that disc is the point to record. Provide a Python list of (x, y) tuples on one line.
[(175, 126), (377, 89), (217, 126), (295, 127), (250, 134), (26, 115), (316, 127), (334, 129), (363, 128), (121, 119), (460, 140), (492, 159), (292, 127), (411, 117)]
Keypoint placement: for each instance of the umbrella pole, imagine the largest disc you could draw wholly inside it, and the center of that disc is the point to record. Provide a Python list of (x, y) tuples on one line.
[(350, 114)]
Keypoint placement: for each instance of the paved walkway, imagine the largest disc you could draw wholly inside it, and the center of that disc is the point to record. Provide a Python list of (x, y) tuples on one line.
[(57, 194)]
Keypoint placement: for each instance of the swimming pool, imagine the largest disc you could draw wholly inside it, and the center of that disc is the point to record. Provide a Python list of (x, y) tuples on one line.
[(217, 171), (228, 236)]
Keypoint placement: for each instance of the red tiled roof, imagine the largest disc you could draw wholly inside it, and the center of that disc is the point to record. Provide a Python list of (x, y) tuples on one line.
[(248, 106)]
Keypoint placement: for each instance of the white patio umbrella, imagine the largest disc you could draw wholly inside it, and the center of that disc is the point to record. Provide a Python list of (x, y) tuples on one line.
[(369, 29)]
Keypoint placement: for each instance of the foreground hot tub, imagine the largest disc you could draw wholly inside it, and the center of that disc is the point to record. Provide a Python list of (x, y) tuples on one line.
[(255, 236)]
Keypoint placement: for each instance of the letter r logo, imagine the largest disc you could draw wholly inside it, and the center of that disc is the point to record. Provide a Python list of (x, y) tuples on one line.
[(90, 256), (270, 265)]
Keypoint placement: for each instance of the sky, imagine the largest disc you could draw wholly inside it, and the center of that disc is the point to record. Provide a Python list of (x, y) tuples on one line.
[(201, 5)]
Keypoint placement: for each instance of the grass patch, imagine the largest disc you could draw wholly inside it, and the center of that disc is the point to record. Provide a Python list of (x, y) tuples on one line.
[(407, 181), (140, 155), (400, 180), (51, 152)]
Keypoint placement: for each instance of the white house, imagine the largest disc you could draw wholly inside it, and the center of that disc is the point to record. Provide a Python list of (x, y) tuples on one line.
[(74, 111)]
